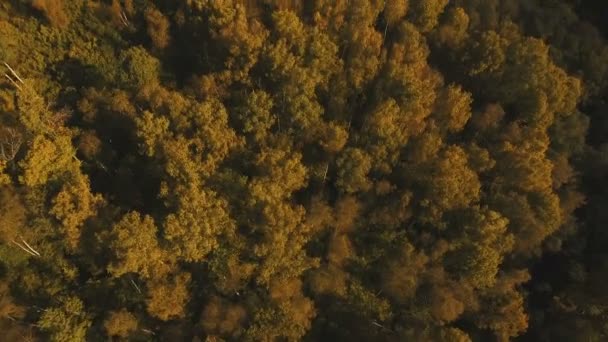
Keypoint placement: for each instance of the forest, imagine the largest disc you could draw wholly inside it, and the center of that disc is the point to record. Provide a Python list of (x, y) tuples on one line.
[(320, 170)]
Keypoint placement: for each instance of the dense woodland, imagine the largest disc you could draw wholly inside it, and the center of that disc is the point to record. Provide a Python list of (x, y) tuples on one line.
[(327, 170)]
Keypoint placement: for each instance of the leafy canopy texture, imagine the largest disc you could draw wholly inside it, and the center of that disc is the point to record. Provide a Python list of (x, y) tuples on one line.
[(324, 170)]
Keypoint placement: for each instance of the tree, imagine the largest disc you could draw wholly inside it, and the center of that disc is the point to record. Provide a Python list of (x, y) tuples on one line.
[(152, 130), (402, 275), (384, 170), (72, 206), (452, 29), (53, 11), (362, 59), (486, 56), (394, 11), (135, 247), (10, 143), (89, 145), (280, 174), (353, 166), (448, 184), (346, 213), (65, 322), (484, 243), (120, 324), (138, 68), (329, 280), (158, 28), (239, 36), (339, 249), (444, 306), (288, 315), (47, 159), (453, 109), (367, 304), (193, 230), (504, 314), (425, 14), (256, 115), (12, 214), (9, 42), (167, 297), (206, 129), (35, 114), (386, 132), (223, 319), (8, 308)]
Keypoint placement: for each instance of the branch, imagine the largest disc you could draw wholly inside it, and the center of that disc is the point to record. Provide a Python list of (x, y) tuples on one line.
[(135, 285), (124, 18), (25, 249), (14, 73), (10, 142), (325, 173), (3, 155), (12, 81), (377, 324), (30, 247)]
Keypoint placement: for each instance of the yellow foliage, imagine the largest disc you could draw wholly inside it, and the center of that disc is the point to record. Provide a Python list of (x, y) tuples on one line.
[(201, 217), (48, 159), (285, 289), (73, 205), (454, 108), (158, 28), (395, 10), (89, 145), (425, 13), (346, 213), (329, 280), (353, 166), (120, 323), (54, 12), (223, 318), (167, 298), (135, 247), (340, 249), (8, 309), (444, 306), (401, 278), (283, 173)]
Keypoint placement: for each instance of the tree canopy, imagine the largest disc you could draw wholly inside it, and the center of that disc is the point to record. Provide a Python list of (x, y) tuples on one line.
[(327, 170)]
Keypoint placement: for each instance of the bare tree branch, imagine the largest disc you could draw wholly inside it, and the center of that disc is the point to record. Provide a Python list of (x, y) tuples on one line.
[(124, 18), (135, 285), (10, 143), (325, 173), (12, 81), (14, 73), (30, 247), (22, 247)]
